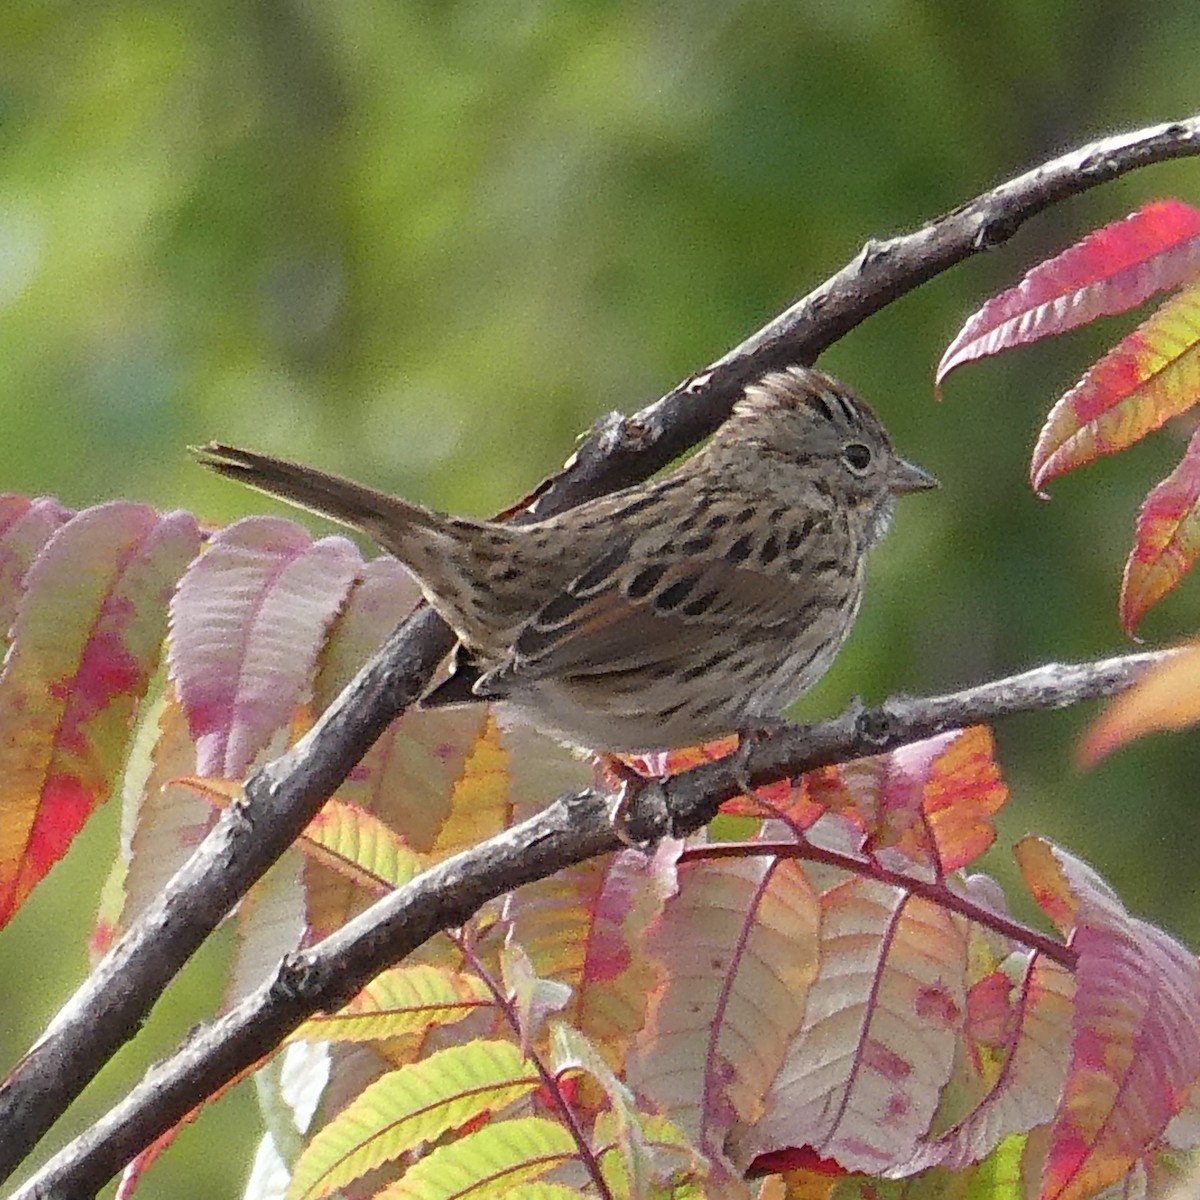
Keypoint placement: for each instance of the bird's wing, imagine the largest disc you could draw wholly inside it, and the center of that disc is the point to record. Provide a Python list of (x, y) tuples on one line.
[(625, 615)]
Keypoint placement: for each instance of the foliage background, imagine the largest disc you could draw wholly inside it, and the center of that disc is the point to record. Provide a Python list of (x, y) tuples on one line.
[(427, 243)]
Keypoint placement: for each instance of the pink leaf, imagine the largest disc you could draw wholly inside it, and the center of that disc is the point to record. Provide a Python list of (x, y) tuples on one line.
[(163, 821), (863, 1074), (25, 527), (1108, 272), (1026, 1093), (737, 948), (586, 926), (384, 593), (247, 624), (1135, 1053)]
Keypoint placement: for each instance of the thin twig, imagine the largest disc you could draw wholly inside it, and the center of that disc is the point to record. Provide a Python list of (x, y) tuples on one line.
[(934, 890), (551, 1083), (574, 828)]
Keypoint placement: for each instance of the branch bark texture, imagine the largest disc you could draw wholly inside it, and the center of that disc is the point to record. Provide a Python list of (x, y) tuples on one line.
[(110, 1006)]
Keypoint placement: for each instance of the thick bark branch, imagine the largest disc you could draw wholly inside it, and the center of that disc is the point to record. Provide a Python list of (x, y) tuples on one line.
[(575, 828), (113, 1002)]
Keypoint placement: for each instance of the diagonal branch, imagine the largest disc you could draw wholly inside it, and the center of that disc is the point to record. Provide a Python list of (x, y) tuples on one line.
[(112, 1003), (574, 828)]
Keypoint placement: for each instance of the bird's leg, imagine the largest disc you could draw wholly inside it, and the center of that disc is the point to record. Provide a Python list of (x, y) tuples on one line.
[(750, 737), (613, 772), (630, 784)]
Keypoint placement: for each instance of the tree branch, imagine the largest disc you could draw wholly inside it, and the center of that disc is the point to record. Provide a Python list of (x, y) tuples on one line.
[(111, 1005), (574, 828)]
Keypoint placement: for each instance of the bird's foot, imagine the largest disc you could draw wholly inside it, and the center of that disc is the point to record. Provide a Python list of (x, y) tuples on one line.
[(630, 786), (750, 737)]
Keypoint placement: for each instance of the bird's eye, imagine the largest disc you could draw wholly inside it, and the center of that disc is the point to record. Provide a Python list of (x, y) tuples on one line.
[(857, 457)]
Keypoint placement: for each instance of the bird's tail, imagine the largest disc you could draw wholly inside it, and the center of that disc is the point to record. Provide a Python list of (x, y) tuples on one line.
[(397, 525)]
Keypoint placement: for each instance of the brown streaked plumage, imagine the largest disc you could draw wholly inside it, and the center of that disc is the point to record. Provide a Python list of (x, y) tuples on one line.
[(667, 614)]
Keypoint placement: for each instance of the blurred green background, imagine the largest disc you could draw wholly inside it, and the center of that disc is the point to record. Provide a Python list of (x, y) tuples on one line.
[(427, 244)]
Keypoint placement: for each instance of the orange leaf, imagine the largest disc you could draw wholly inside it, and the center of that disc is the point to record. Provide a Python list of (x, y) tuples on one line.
[(1166, 697), (1167, 541), (933, 800), (962, 793), (480, 804), (1139, 385), (1110, 271), (586, 926)]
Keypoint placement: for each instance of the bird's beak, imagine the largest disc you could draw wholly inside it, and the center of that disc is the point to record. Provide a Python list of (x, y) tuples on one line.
[(908, 477)]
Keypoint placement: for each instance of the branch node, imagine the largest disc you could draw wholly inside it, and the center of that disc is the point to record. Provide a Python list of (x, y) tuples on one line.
[(994, 230), (876, 728), (636, 434), (296, 976), (610, 433), (1095, 165), (239, 810), (876, 250), (650, 816)]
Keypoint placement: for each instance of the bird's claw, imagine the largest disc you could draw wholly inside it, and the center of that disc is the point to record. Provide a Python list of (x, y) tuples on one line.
[(749, 739), (631, 787), (618, 813)]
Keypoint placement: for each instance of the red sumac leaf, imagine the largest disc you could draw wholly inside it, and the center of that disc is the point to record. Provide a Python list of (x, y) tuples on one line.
[(1108, 272), (932, 800), (25, 527), (1135, 1048), (85, 641), (1167, 540), (1139, 385)]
